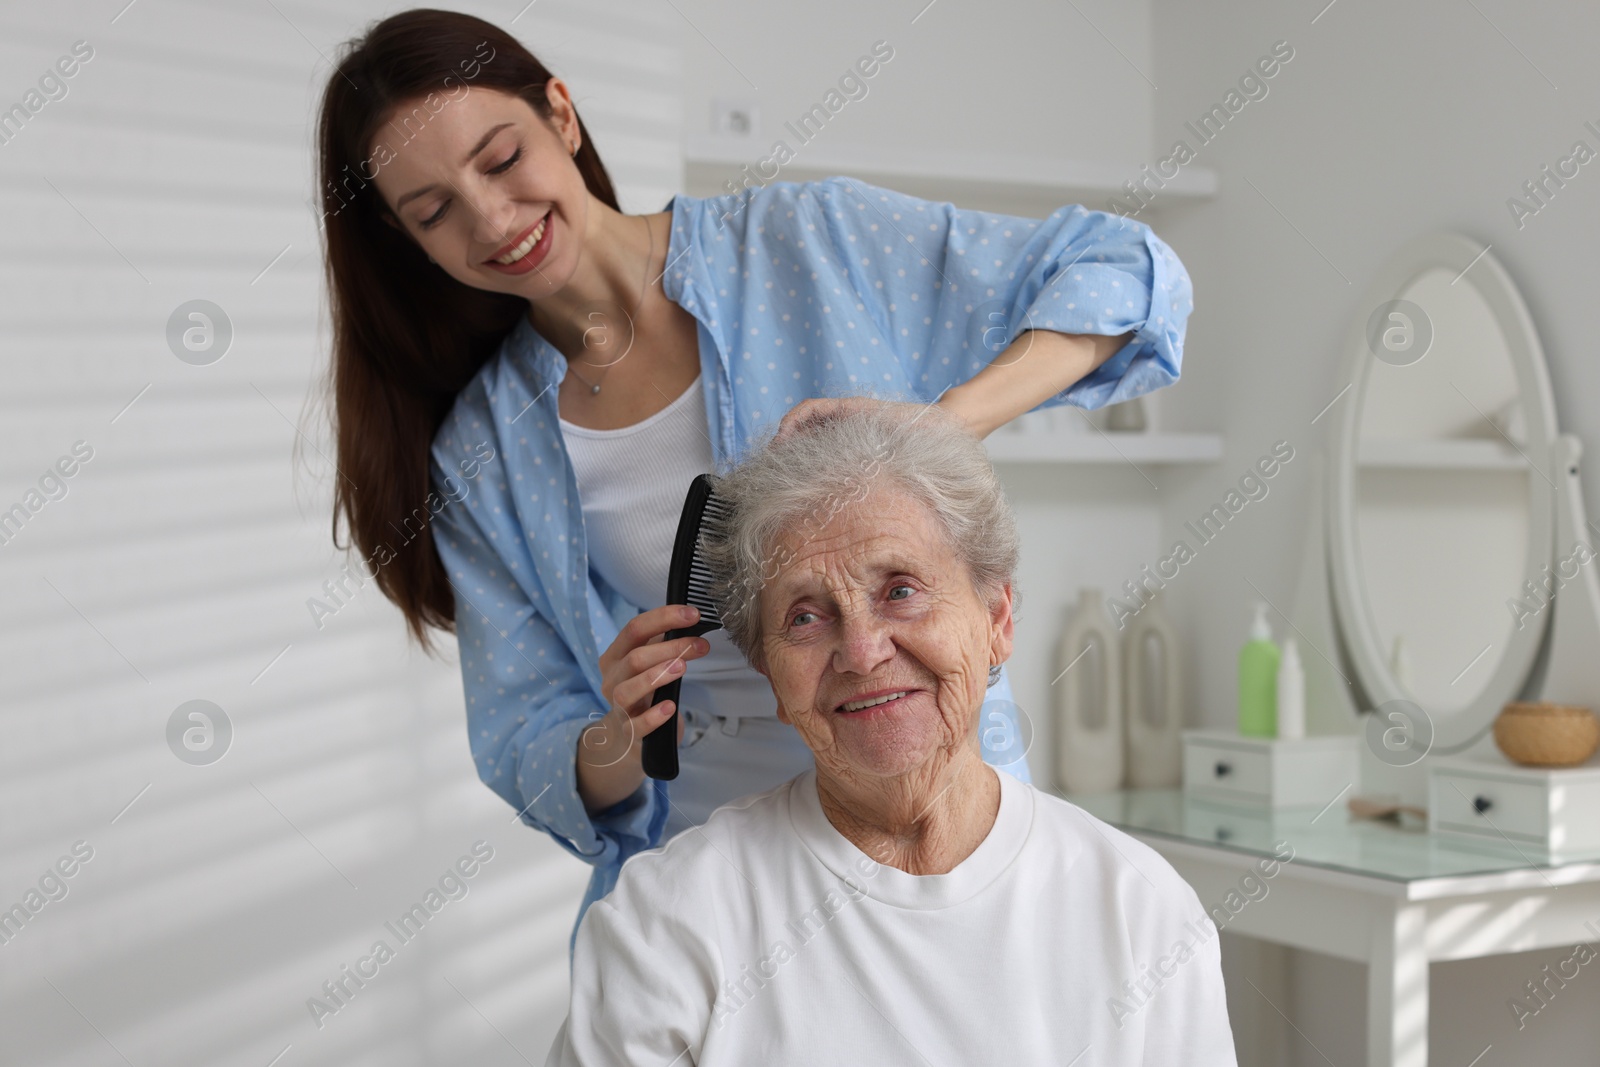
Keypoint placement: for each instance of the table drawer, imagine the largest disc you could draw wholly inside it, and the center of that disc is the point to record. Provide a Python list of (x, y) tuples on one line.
[(1221, 770), (1466, 803), (1268, 772)]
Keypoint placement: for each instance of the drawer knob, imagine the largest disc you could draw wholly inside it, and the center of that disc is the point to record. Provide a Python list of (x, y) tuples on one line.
[(1223, 769), (1481, 804)]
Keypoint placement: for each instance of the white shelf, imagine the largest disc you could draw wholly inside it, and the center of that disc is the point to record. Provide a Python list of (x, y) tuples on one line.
[(1025, 184), (1447, 454), (1008, 446)]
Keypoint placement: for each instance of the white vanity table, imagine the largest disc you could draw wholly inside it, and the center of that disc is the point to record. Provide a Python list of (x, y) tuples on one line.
[(1445, 495), (1395, 900)]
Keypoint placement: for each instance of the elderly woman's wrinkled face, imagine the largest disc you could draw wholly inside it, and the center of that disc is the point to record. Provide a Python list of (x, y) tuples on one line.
[(876, 604)]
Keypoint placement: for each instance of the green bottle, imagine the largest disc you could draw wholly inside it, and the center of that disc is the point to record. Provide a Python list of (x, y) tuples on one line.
[(1258, 680)]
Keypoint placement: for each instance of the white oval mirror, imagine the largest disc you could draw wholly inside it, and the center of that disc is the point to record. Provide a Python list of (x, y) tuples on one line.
[(1441, 494)]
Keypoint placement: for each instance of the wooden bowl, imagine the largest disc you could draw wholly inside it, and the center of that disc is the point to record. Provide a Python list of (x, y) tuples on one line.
[(1541, 734)]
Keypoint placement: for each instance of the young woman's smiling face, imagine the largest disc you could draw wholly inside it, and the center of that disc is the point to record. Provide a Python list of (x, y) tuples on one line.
[(876, 603), (481, 179)]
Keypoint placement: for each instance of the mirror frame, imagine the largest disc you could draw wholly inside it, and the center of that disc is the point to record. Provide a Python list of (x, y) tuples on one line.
[(1352, 609)]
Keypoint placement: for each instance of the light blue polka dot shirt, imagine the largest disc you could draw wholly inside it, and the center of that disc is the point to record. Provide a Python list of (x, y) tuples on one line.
[(826, 288)]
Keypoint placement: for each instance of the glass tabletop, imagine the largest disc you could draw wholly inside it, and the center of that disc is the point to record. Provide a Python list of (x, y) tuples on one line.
[(1332, 838)]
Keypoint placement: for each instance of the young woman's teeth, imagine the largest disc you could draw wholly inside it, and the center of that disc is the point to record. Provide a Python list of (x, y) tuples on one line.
[(857, 705), (526, 246)]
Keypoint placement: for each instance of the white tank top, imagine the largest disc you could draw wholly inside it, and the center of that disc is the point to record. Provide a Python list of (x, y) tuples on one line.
[(631, 485)]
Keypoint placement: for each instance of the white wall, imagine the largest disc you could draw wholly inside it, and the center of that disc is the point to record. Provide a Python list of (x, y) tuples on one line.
[(966, 93), (219, 898), (1389, 121), (966, 79)]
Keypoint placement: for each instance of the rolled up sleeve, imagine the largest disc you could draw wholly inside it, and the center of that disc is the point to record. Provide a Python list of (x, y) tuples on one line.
[(1105, 274), (954, 287)]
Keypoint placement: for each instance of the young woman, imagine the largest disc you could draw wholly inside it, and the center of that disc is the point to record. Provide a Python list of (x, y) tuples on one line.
[(525, 380)]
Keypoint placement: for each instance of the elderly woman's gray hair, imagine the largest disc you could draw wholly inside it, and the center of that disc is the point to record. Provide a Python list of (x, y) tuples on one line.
[(791, 488)]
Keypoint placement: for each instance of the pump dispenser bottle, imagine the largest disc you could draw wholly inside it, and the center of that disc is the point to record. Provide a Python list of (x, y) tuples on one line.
[(1258, 680), (1291, 693)]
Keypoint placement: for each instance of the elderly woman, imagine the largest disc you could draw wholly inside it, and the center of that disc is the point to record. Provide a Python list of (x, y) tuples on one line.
[(901, 902)]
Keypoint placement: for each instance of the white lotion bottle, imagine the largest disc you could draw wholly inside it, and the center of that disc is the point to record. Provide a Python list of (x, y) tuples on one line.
[(1291, 692), (1088, 696), (1153, 699)]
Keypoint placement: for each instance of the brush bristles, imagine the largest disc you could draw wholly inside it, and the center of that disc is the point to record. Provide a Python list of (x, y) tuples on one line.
[(713, 522)]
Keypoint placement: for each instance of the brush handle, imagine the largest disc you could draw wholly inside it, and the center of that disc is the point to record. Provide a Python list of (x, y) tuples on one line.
[(661, 744)]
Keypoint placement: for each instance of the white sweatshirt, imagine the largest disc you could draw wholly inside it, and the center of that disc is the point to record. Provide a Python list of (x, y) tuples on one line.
[(765, 937)]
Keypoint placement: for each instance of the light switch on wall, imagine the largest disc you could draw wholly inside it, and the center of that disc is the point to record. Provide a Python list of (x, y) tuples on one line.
[(736, 117)]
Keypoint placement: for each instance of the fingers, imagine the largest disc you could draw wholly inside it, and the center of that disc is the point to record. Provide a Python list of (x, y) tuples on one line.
[(633, 668), (797, 415), (649, 679), (617, 740), (820, 408), (657, 714), (625, 734), (648, 627), (652, 659), (652, 666)]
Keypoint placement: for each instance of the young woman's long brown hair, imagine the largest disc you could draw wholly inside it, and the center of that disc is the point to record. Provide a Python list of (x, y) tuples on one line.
[(406, 336)]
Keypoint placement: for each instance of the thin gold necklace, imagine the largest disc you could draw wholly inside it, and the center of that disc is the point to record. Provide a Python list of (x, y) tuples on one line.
[(594, 387)]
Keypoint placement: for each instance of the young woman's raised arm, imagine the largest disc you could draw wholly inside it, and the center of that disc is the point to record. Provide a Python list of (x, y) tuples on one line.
[(982, 281)]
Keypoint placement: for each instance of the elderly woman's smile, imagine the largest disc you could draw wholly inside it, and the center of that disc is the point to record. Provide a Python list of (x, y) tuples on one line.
[(876, 605)]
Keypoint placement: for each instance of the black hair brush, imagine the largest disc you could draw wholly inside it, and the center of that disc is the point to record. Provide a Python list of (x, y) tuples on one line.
[(688, 582)]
